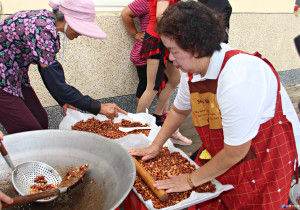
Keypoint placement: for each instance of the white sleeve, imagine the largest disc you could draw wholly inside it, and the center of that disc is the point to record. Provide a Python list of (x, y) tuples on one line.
[(291, 115), (182, 100), (246, 87)]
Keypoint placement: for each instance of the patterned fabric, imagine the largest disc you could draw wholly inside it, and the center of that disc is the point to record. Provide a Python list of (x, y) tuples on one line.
[(154, 48), (141, 9), (152, 17), (263, 178), (27, 37)]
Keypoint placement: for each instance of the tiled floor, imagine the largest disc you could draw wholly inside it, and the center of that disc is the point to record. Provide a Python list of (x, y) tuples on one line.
[(187, 129)]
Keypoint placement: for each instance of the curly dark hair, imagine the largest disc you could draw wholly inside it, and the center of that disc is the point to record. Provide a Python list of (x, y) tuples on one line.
[(194, 27)]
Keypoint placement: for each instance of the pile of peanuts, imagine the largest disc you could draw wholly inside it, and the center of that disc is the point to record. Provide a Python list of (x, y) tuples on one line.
[(108, 128), (41, 185), (159, 167)]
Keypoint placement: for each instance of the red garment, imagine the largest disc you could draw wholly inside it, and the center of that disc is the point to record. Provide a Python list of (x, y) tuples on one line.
[(152, 16), (263, 178)]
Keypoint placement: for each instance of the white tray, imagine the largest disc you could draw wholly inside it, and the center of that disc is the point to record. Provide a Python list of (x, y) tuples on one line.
[(195, 198), (140, 141)]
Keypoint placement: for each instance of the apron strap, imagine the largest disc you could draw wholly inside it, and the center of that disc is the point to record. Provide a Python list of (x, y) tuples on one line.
[(190, 76), (278, 102), (278, 108), (232, 53)]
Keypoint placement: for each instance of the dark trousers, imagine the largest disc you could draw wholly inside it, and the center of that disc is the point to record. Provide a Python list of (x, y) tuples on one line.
[(142, 74), (18, 115)]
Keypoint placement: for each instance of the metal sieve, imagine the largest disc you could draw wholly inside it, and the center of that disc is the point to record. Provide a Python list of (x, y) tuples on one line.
[(24, 174)]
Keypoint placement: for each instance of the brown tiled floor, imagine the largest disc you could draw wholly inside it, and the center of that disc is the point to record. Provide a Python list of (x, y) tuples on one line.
[(187, 129)]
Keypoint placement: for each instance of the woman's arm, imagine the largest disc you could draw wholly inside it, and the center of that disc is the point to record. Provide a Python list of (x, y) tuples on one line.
[(172, 122), (161, 6), (127, 17), (219, 164), (54, 80)]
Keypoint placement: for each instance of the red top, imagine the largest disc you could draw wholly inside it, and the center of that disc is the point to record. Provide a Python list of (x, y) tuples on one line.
[(152, 16)]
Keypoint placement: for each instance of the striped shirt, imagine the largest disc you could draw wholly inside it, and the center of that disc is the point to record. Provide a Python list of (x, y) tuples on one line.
[(141, 9)]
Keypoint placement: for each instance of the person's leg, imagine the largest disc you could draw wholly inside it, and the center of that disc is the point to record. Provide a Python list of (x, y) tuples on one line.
[(15, 115), (142, 74), (34, 105), (165, 109), (149, 94), (178, 138), (173, 80)]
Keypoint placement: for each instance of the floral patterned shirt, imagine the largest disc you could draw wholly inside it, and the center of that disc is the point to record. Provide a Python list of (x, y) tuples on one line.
[(27, 37)]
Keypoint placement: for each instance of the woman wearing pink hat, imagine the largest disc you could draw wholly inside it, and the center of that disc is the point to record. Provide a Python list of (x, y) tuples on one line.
[(31, 37)]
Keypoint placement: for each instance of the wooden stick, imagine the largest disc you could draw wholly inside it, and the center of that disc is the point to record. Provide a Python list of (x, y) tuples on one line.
[(3, 149), (30, 198), (148, 179)]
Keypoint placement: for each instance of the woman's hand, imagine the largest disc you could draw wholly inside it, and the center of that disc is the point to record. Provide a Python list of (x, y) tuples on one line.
[(5, 199), (173, 184), (66, 106), (139, 36), (147, 152), (111, 110)]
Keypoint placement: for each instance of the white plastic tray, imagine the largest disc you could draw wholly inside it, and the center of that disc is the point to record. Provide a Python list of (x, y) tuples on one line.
[(139, 141)]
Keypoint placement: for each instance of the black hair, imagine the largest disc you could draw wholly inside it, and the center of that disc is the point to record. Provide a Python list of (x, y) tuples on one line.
[(59, 16), (195, 28)]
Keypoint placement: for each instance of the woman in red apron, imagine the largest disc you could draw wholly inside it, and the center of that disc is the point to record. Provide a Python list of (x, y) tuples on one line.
[(257, 158)]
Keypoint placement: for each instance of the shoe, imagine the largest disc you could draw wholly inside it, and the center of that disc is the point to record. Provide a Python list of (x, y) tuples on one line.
[(164, 114), (177, 138), (159, 120)]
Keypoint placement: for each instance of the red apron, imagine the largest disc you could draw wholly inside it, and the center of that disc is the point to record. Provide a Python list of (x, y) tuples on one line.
[(263, 178)]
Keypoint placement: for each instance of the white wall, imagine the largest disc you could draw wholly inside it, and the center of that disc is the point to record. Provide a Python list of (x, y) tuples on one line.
[(256, 6), (263, 6)]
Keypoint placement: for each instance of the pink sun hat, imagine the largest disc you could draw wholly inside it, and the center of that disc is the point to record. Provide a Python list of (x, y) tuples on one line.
[(80, 15)]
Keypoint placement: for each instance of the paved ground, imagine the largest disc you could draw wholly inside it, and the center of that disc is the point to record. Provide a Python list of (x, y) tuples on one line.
[(187, 129)]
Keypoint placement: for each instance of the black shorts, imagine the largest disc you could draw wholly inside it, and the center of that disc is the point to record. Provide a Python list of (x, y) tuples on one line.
[(142, 74)]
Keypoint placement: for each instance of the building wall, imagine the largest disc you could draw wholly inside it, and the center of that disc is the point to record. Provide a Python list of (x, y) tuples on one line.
[(262, 6), (102, 69), (257, 6)]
